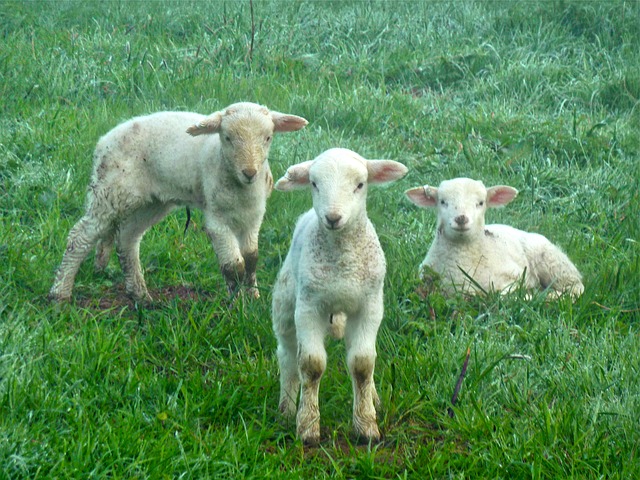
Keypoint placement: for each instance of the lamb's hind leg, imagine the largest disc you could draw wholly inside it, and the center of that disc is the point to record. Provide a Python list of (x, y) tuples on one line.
[(103, 250), (283, 308), (556, 272), (130, 233), (82, 238)]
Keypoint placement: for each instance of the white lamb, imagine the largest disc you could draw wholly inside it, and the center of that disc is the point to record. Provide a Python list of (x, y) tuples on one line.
[(147, 166), (496, 257), (333, 273)]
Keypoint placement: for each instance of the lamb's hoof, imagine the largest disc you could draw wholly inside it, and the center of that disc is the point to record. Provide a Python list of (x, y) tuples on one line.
[(309, 435), (253, 292), (141, 298), (368, 436), (238, 292), (57, 297), (311, 440), (364, 440), (54, 298)]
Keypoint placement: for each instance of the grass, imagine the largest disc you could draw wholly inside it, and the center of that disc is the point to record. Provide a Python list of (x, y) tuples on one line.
[(543, 96)]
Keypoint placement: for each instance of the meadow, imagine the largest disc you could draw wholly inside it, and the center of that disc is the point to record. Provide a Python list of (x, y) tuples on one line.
[(543, 96)]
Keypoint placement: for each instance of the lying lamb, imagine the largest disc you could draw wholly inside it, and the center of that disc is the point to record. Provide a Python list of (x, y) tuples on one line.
[(331, 282), (147, 166), (496, 257)]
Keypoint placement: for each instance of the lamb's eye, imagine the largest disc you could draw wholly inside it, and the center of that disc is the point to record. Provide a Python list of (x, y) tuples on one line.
[(442, 202), (313, 184), (268, 139), (359, 187), (228, 138), (481, 203)]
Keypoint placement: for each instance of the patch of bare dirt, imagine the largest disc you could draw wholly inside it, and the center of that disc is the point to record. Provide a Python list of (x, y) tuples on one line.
[(117, 297)]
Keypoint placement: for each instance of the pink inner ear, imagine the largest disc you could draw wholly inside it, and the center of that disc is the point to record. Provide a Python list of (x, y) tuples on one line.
[(382, 171), (500, 196), (419, 197), (386, 174), (297, 176), (287, 123)]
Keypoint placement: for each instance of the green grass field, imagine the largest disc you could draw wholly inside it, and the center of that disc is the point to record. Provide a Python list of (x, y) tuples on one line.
[(543, 96)]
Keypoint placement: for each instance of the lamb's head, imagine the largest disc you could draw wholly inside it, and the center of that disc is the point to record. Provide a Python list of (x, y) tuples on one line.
[(246, 130), (338, 179), (461, 204)]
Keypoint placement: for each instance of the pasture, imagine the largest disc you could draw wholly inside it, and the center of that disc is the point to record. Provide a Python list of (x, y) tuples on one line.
[(543, 96)]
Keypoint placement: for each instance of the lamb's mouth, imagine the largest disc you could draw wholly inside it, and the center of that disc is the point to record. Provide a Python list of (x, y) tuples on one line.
[(247, 181), (333, 227)]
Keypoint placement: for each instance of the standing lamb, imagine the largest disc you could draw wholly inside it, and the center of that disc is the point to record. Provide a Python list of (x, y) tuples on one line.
[(147, 166), (331, 282), (495, 257)]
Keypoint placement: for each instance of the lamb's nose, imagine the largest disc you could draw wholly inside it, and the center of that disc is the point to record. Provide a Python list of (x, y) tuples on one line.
[(461, 220), (333, 219), (249, 173)]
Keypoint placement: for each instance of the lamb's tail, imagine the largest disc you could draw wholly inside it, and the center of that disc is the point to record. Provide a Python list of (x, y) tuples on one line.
[(337, 322)]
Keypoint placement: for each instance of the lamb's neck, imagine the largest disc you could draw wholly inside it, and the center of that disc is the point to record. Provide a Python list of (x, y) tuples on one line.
[(343, 239)]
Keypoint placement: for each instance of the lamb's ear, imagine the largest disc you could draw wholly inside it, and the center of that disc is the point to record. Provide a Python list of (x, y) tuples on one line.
[(283, 122), (209, 125), (424, 197), (500, 195), (383, 171), (297, 176)]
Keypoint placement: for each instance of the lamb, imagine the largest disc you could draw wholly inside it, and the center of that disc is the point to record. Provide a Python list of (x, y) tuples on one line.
[(149, 165), (331, 282), (471, 256)]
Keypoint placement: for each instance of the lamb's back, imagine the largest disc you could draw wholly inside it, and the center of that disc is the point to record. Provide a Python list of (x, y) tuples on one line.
[(154, 156)]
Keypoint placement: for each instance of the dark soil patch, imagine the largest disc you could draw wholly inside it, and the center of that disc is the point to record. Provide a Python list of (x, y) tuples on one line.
[(117, 297)]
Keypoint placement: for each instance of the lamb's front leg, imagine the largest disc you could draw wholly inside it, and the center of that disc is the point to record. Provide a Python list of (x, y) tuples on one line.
[(227, 250), (312, 361), (249, 248), (360, 337)]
